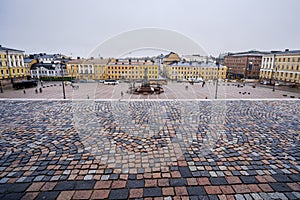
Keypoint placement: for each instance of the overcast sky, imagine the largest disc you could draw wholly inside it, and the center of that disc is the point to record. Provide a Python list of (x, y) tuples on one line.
[(78, 27)]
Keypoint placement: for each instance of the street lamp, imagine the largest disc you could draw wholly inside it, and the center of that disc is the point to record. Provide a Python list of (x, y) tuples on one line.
[(62, 78), (273, 74), (1, 89), (218, 65)]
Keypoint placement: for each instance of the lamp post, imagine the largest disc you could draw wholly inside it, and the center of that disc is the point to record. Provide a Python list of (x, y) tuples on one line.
[(1, 89), (62, 79), (218, 65), (274, 77)]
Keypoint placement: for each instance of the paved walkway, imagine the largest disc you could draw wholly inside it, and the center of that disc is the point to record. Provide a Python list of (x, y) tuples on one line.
[(173, 90), (172, 149)]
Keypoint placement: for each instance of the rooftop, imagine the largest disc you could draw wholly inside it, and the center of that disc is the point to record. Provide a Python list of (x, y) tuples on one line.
[(28, 60), (249, 53), (9, 49), (288, 52), (45, 65), (89, 61), (195, 64)]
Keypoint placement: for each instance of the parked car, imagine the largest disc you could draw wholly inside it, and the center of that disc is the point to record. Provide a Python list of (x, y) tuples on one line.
[(111, 82), (68, 83)]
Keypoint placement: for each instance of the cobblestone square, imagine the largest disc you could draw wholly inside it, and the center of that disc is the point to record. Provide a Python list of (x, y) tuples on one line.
[(173, 90), (114, 149)]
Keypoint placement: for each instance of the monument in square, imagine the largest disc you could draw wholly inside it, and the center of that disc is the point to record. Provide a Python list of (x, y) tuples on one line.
[(145, 87)]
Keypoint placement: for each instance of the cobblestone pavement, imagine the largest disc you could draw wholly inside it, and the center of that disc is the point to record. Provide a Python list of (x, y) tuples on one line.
[(151, 149), (174, 90)]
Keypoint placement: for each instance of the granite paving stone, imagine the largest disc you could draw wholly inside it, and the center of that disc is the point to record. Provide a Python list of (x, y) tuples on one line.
[(84, 185), (294, 186), (135, 183), (47, 195), (248, 179), (218, 181), (12, 196), (281, 178), (100, 194), (185, 172), (17, 187), (178, 182), (149, 148), (281, 187), (82, 194), (295, 177), (65, 185), (119, 194), (227, 189), (152, 192), (196, 191), (30, 196), (290, 195)]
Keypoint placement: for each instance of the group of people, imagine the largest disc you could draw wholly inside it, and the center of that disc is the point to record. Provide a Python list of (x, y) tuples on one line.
[(36, 90), (203, 84)]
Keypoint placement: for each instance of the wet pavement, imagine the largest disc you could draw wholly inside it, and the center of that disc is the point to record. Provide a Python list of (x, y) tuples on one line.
[(149, 148), (173, 90)]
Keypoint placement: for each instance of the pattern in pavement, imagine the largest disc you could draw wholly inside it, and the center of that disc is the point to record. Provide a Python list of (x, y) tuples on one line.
[(139, 149)]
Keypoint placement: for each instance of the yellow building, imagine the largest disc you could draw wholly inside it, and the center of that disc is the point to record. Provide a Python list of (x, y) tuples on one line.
[(28, 62), (194, 71), (281, 67), (12, 66), (87, 69), (72, 68), (131, 69), (171, 58)]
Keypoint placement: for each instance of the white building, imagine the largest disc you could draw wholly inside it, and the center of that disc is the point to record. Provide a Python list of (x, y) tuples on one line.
[(197, 58), (39, 70)]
